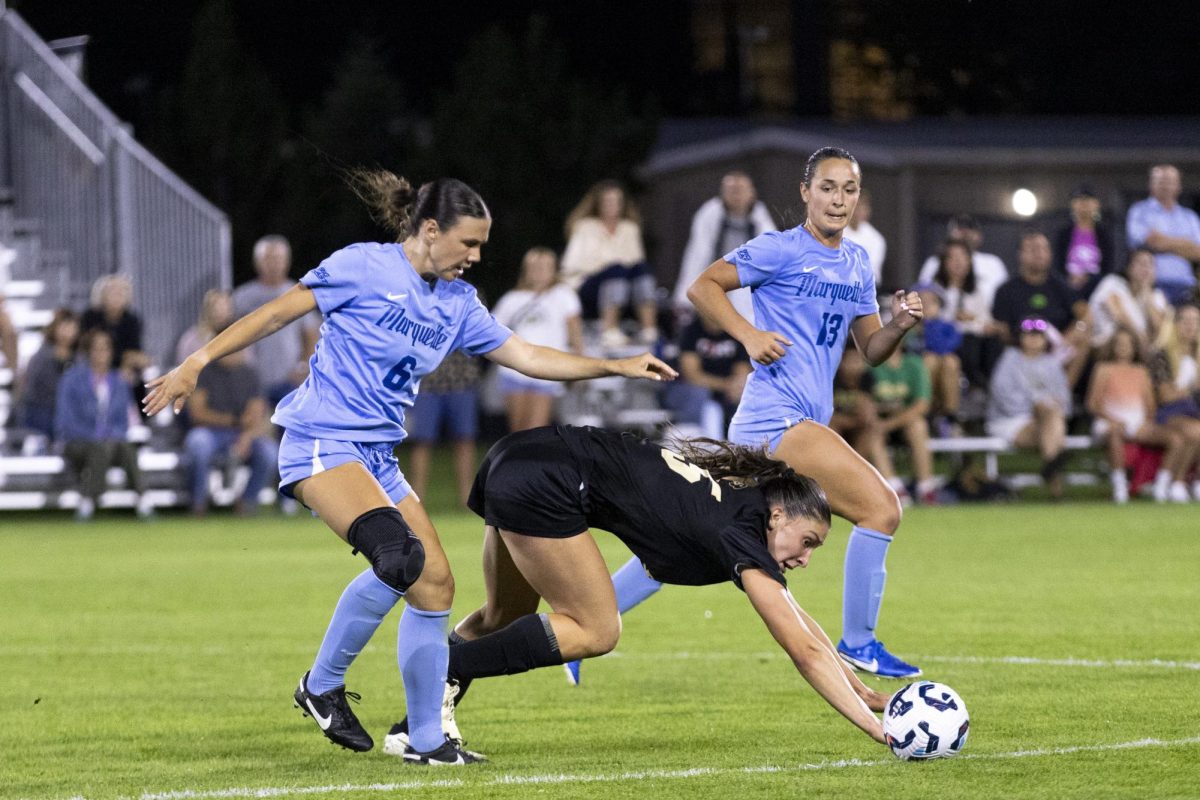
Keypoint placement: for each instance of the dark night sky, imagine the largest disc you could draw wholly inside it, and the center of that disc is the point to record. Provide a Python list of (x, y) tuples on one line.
[(1067, 57)]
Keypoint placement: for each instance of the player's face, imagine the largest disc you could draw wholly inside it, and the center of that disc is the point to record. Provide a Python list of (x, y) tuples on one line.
[(791, 541), (832, 195), (456, 249)]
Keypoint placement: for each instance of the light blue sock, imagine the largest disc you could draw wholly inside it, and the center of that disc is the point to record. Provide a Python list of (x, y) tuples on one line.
[(633, 585), (423, 652), (862, 590), (363, 605)]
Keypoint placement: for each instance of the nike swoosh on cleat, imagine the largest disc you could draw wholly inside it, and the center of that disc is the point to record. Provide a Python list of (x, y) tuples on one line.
[(324, 722)]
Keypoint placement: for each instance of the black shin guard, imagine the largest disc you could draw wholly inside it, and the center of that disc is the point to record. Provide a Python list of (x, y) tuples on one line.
[(526, 644)]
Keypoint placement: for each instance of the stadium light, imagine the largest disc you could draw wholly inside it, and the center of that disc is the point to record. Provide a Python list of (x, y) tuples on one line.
[(1024, 202)]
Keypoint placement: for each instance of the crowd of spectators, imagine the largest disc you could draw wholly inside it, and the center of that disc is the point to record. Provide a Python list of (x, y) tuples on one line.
[(1070, 339)]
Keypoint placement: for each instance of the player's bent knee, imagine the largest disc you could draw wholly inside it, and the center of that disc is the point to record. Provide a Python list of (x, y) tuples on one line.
[(396, 554), (885, 511), (603, 637)]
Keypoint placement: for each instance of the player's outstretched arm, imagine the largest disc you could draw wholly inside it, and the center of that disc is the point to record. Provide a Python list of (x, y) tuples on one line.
[(802, 638), (555, 365), (174, 387)]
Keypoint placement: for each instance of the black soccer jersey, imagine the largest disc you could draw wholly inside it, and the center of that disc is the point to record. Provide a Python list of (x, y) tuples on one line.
[(685, 527)]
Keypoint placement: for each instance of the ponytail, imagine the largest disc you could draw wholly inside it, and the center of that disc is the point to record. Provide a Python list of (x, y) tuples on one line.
[(398, 207)]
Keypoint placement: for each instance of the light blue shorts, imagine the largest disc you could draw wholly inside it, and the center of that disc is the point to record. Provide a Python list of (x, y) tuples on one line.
[(759, 432), (302, 457)]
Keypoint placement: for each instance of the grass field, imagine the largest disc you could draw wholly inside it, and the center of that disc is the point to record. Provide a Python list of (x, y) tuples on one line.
[(158, 661)]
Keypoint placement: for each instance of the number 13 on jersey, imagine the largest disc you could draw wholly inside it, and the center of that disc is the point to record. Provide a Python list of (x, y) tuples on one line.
[(831, 326)]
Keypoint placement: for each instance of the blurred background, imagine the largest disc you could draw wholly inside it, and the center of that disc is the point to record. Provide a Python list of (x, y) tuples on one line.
[(162, 141)]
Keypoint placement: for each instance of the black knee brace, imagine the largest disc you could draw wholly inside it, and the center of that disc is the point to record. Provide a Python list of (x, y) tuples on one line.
[(396, 554)]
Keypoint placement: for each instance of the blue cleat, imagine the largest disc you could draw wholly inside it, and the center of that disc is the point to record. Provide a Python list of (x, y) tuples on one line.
[(572, 670), (873, 657)]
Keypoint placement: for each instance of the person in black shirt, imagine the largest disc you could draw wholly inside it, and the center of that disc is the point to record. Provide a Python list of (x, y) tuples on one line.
[(1036, 291), (705, 513)]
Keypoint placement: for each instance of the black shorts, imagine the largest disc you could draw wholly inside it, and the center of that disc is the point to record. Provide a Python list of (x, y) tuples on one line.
[(531, 483)]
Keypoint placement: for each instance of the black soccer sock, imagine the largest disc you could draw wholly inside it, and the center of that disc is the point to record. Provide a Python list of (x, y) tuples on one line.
[(526, 644)]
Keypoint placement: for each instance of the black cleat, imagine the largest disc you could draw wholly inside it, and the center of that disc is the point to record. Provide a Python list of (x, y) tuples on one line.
[(450, 754), (333, 716)]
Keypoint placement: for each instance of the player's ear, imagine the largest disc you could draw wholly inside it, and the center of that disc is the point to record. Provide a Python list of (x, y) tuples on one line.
[(430, 229)]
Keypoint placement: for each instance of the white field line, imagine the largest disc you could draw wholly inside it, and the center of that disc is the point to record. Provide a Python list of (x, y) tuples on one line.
[(674, 774), (1027, 661), (683, 655)]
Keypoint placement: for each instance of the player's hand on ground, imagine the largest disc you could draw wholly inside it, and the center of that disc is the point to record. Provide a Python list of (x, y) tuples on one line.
[(876, 701), (766, 347), (906, 309), (174, 388), (644, 366)]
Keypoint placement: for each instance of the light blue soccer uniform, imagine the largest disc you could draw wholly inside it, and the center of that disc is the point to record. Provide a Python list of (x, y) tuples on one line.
[(811, 294), (385, 328)]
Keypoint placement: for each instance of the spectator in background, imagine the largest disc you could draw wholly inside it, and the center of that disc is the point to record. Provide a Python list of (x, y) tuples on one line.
[(544, 311), (449, 401), (713, 367), (1121, 399), (990, 271), (216, 312), (39, 385), (854, 417), (1034, 291), (605, 261), (1129, 300), (901, 392), (91, 421), (1175, 370), (1168, 229), (723, 224), (861, 231), (938, 340), (968, 304), (1030, 398), (229, 417), (8, 332), (281, 360), (1083, 247), (111, 311)]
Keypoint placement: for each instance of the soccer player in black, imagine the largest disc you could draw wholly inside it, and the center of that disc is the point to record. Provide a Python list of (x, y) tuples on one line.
[(705, 513)]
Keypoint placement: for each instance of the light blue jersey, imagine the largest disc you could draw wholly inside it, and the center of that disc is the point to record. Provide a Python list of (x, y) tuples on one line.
[(385, 328), (811, 294)]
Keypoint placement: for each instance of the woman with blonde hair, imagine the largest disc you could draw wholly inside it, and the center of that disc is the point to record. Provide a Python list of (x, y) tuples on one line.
[(216, 312), (541, 310), (1175, 370), (1121, 399), (605, 261)]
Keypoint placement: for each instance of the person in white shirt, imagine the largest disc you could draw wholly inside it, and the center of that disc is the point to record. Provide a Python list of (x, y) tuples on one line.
[(605, 262), (723, 224), (990, 271), (544, 311), (861, 231), (1130, 301)]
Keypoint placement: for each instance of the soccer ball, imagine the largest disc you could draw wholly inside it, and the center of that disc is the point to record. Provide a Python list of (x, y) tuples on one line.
[(925, 720)]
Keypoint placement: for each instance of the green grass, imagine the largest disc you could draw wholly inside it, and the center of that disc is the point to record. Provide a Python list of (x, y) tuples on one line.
[(149, 659)]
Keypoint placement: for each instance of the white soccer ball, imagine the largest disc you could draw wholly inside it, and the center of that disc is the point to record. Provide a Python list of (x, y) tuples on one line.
[(926, 720)]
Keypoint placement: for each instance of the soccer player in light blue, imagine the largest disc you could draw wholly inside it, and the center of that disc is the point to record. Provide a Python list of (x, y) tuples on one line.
[(812, 292), (392, 312)]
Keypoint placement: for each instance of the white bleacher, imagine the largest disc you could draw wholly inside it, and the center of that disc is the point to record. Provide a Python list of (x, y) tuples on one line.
[(992, 447)]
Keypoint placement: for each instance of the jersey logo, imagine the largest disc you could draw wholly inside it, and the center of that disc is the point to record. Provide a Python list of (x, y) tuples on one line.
[(811, 286), (397, 296), (322, 274), (397, 319)]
